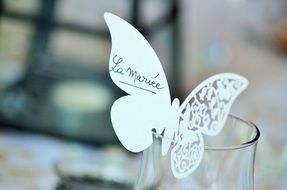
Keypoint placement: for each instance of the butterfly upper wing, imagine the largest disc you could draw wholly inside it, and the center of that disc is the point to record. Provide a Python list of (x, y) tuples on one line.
[(211, 101), (137, 59), (135, 68), (205, 111)]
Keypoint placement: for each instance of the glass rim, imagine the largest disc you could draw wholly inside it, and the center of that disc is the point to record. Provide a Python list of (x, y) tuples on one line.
[(251, 142)]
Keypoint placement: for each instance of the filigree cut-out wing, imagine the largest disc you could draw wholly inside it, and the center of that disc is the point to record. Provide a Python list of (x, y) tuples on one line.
[(204, 111), (135, 68)]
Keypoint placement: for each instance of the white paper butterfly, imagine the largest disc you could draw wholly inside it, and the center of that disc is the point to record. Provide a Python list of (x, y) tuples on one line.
[(135, 68)]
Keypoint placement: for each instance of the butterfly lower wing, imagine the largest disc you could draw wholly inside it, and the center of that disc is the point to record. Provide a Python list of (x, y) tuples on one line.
[(187, 154), (127, 111), (205, 111)]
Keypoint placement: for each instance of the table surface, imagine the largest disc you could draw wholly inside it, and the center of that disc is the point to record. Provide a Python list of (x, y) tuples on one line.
[(28, 161)]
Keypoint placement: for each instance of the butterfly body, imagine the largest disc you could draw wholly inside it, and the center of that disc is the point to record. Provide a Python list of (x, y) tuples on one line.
[(135, 68)]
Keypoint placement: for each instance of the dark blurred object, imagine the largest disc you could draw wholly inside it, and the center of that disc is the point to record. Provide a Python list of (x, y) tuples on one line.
[(266, 25), (280, 34), (90, 184), (66, 89), (108, 169), (279, 24)]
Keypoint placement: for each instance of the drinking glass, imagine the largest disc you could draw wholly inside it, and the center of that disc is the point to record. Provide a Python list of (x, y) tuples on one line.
[(228, 162)]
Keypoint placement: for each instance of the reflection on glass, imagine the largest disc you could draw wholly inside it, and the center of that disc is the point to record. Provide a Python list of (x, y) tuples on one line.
[(153, 10), (90, 12), (81, 97), (87, 49), (28, 6), (14, 39)]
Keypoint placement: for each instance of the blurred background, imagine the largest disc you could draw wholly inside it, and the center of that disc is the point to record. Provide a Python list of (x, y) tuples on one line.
[(55, 91)]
